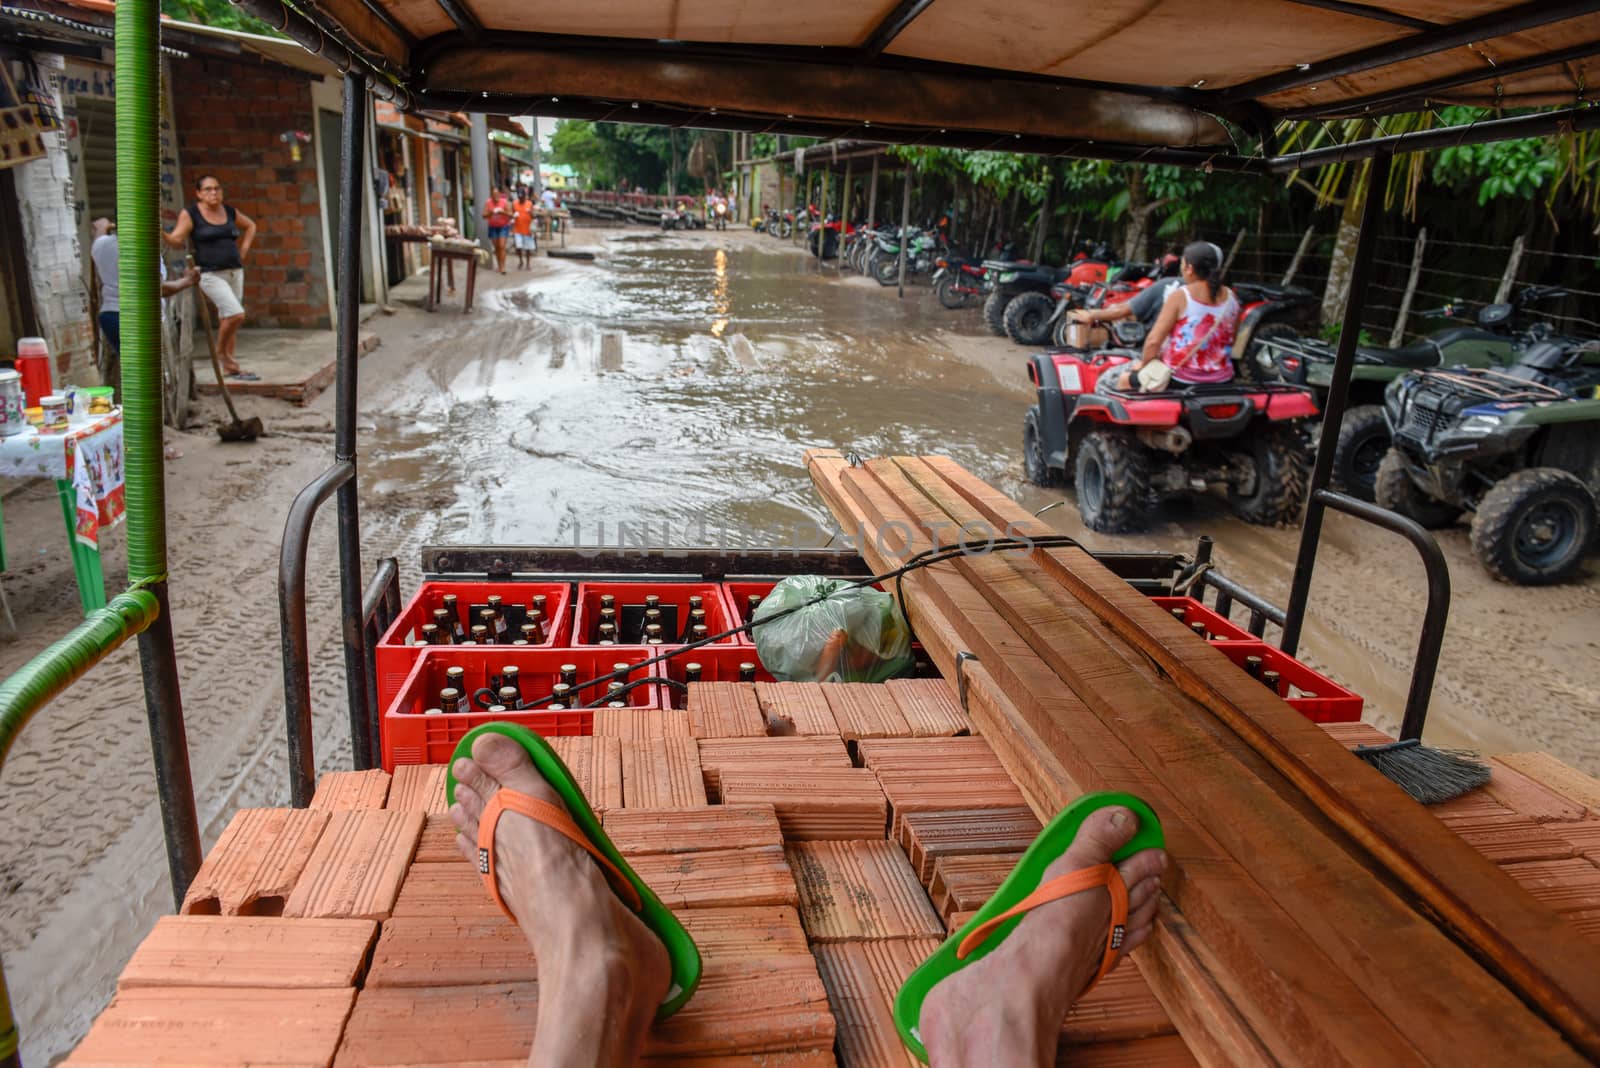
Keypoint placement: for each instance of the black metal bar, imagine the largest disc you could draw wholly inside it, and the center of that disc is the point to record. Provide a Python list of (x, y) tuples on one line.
[(1258, 624), (352, 139), (319, 40), (381, 13), (292, 621), (380, 606), (903, 15), (1363, 11), (1224, 604), (1435, 617), (465, 21), (1415, 46), (169, 744), (1377, 178), (1417, 93), (1258, 605)]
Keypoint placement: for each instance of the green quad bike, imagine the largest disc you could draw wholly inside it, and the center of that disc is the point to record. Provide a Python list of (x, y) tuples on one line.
[(1489, 340), (1519, 448)]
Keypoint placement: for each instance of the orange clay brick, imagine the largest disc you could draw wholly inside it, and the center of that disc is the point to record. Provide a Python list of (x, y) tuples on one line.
[(256, 951), (450, 951), (774, 1003), (1583, 835), (1476, 803), (596, 766), (957, 920), (1510, 837), (745, 933), (962, 884), (927, 836), (256, 862), (418, 788), (914, 791), (1587, 921), (855, 890), (861, 979), (1121, 1008), (965, 755), (725, 710), (445, 890), (1565, 885), (358, 865), (1168, 1051), (1521, 794), (642, 723), (805, 1058), (767, 754), (929, 706), (438, 842), (796, 708), (865, 710), (642, 831), (724, 878), (338, 791), (1551, 773), (441, 1025), (229, 1026), (813, 803), (661, 773)]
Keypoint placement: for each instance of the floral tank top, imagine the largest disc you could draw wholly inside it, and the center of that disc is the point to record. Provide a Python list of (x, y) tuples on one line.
[(1200, 347)]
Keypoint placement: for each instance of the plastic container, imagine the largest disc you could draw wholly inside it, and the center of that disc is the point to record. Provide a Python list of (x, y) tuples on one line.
[(630, 604), (98, 400), (397, 650), (1312, 694), (718, 663), (57, 414), (13, 409), (33, 363), (737, 595), (411, 736), (1217, 628)]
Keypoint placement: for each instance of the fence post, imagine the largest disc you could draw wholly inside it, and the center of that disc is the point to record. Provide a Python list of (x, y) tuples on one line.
[(1508, 279), (1411, 289), (1299, 254), (1233, 253)]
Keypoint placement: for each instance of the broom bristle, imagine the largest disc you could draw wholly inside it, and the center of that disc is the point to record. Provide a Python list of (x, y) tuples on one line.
[(1430, 775)]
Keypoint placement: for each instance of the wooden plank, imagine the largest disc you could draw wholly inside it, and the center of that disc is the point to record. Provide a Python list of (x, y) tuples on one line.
[(434, 951), (865, 710), (1552, 774), (358, 865), (249, 951), (929, 706), (256, 863), (596, 766), (642, 723), (229, 1026), (661, 773), (720, 878), (768, 754), (927, 836), (642, 832), (795, 708), (725, 710), (964, 883), (1167, 1051), (814, 803), (856, 890), (1472, 897), (394, 1025), (418, 788)]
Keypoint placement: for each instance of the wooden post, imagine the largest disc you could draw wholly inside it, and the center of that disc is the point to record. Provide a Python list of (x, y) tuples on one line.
[(1233, 253), (1299, 254), (905, 229), (844, 210), (822, 216), (1509, 279), (1411, 288), (1037, 250), (872, 196)]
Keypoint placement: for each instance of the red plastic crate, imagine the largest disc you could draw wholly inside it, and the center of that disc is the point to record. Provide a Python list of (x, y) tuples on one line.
[(1313, 695), (630, 607), (735, 593), (1216, 626), (410, 736), (397, 652), (718, 663)]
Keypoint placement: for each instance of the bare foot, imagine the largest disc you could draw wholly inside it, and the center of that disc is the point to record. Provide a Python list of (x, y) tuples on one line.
[(602, 972), (1007, 1008)]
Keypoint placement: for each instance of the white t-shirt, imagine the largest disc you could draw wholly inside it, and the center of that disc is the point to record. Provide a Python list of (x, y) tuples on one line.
[(548, 198), (104, 254)]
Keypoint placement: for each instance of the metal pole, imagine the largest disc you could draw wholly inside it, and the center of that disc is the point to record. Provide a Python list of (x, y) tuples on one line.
[(538, 177), (1338, 394), (872, 197), (822, 217), (363, 719), (480, 177), (905, 229)]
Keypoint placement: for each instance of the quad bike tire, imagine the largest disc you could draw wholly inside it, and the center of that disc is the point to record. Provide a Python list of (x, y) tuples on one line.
[(1112, 473), (1393, 489), (1534, 526), (1034, 467), (994, 310), (1363, 443), (1027, 318), (1283, 477), (948, 295), (1059, 332), (1252, 367)]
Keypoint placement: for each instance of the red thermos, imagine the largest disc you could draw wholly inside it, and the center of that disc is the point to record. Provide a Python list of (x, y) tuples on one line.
[(33, 363)]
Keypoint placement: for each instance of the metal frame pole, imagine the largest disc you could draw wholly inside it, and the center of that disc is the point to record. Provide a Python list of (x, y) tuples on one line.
[(905, 229), (1338, 394), (352, 134)]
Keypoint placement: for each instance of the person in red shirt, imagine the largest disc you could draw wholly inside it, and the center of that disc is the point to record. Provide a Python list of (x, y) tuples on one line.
[(522, 238), (497, 213)]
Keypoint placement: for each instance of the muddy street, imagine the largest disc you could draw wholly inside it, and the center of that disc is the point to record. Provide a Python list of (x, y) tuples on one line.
[(670, 387)]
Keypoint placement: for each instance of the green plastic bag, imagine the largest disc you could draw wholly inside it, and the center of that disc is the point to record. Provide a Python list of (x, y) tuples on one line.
[(856, 635)]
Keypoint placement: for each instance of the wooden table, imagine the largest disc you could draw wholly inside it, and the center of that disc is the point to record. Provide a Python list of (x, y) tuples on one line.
[(448, 257), (547, 220)]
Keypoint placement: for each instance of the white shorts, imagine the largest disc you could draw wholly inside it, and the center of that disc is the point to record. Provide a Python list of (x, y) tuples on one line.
[(523, 242), (226, 290)]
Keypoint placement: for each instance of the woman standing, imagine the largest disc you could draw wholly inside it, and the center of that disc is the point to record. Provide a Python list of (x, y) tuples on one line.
[(1192, 340), (222, 237), (497, 213), (522, 230)]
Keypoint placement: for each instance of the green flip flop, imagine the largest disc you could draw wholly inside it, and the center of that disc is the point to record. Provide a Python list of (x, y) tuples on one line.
[(1024, 879), (681, 950)]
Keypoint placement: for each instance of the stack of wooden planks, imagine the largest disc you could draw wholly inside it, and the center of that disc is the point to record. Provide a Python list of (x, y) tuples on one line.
[(1314, 914)]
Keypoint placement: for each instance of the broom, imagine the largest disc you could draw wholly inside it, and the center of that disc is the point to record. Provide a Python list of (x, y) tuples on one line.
[(1428, 774)]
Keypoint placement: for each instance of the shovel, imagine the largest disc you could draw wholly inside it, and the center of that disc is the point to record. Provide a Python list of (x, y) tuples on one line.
[(238, 430)]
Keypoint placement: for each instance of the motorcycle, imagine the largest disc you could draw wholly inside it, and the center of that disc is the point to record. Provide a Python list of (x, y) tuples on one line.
[(959, 281), (923, 248), (719, 215)]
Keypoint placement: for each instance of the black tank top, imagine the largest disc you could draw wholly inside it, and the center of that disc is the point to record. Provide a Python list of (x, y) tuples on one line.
[(216, 247)]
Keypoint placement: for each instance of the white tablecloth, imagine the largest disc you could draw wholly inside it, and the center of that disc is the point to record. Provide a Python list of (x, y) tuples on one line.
[(89, 455)]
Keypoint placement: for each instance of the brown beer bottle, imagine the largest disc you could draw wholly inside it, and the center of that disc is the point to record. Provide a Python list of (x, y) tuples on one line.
[(608, 600), (480, 635), (450, 700), (1178, 614), (510, 698), (620, 669), (1199, 628), (447, 629), (538, 603), (535, 624), (700, 633), (614, 694), (1252, 666), (530, 634), (751, 603), (747, 672), (1272, 680), (457, 628), (430, 634), (697, 620), (433, 711), (492, 623), (692, 672), (562, 694), (569, 674), (608, 634), (652, 634), (456, 675)]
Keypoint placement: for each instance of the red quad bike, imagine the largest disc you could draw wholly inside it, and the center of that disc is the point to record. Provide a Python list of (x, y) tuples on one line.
[(1126, 451)]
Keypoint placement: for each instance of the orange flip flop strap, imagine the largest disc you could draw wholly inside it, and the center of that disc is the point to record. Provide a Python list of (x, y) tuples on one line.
[(557, 819), (1061, 886)]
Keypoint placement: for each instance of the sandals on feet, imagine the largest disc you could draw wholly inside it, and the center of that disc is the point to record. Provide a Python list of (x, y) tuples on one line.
[(1022, 892), (578, 823)]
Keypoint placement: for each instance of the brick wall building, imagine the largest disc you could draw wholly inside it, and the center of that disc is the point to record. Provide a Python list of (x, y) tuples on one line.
[(233, 117)]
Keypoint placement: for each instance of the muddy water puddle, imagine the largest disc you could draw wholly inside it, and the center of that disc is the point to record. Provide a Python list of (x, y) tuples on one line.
[(675, 383)]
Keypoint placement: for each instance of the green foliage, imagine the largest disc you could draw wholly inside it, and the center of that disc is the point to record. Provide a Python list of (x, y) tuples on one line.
[(218, 13), (1506, 170), (608, 153)]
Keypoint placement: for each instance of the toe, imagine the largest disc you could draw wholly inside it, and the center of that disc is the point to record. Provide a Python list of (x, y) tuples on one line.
[(475, 784), (1102, 834), (1142, 891), (1143, 865), (508, 764)]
